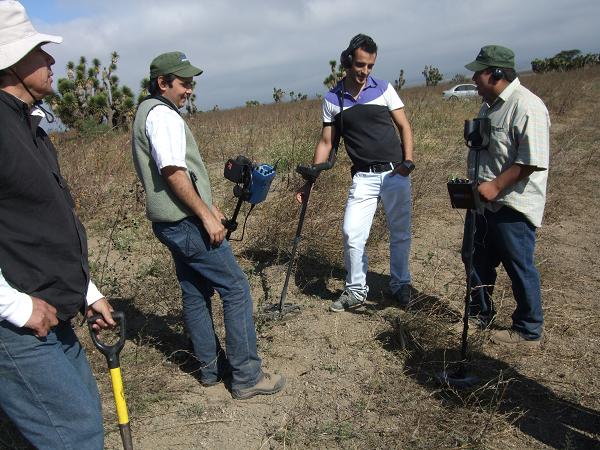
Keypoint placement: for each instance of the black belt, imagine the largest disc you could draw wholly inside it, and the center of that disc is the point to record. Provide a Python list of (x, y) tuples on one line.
[(376, 168)]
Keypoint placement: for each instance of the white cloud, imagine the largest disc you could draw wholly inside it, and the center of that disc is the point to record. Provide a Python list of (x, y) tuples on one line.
[(248, 47)]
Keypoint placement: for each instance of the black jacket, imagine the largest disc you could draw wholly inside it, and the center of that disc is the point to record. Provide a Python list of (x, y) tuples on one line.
[(43, 245)]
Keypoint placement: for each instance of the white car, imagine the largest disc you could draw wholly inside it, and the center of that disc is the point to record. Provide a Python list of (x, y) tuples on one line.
[(461, 91)]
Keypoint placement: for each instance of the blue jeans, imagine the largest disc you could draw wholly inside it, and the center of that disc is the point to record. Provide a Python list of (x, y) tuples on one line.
[(201, 270), (363, 197), (506, 237), (48, 390)]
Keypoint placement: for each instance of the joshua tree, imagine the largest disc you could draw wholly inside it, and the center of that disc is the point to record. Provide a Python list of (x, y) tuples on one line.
[(92, 95), (337, 73), (400, 81), (296, 97), (278, 94), (432, 75)]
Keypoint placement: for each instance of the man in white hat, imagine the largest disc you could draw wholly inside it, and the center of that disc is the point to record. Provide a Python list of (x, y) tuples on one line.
[(47, 387)]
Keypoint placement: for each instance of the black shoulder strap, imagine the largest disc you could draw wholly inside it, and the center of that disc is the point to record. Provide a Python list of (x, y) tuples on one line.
[(336, 143)]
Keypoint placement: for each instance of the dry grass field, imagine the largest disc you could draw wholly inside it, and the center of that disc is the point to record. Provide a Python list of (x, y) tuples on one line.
[(351, 382)]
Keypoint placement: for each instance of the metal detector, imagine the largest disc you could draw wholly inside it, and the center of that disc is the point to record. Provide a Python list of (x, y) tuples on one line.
[(464, 194), (111, 352), (310, 173)]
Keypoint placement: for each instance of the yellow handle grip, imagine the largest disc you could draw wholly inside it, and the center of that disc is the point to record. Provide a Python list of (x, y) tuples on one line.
[(117, 384)]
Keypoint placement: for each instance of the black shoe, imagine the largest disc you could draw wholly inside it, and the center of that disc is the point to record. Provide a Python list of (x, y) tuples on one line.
[(403, 296)]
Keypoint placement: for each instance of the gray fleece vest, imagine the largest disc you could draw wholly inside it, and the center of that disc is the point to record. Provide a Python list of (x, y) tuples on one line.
[(161, 204)]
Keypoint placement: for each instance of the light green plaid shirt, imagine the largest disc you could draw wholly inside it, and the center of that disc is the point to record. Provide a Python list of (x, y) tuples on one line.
[(520, 134)]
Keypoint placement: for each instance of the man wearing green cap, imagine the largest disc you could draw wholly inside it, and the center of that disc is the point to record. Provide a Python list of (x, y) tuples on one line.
[(184, 218), (513, 174)]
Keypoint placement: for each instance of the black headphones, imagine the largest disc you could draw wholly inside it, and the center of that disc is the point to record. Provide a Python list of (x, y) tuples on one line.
[(498, 74), (356, 42)]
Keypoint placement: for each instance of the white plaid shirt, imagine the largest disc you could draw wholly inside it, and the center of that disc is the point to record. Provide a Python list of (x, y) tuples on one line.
[(520, 134)]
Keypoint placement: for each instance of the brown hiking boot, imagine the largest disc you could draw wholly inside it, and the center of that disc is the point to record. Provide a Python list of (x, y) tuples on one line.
[(268, 384), (513, 338)]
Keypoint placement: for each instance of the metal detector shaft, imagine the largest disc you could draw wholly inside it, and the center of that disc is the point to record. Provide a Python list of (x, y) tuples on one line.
[(231, 224), (479, 145), (477, 137), (310, 174), (111, 352), (470, 249), (295, 246)]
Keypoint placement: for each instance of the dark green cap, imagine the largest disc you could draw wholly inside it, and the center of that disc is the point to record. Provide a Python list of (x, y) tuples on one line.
[(493, 56), (175, 63)]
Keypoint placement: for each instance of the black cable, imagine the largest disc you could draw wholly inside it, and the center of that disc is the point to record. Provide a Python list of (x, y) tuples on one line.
[(252, 205)]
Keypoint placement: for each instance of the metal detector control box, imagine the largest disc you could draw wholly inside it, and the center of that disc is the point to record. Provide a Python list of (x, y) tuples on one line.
[(463, 194), (262, 176)]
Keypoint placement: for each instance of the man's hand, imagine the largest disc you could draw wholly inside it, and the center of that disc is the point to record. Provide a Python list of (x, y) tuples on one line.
[(214, 227), (303, 191), (103, 308), (43, 317), (489, 190), (217, 213), (400, 169)]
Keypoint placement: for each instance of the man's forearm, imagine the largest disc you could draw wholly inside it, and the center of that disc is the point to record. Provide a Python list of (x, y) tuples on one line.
[(490, 190), (407, 143), (512, 176), (322, 152)]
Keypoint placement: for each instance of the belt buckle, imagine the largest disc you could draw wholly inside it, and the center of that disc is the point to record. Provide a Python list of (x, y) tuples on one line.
[(381, 167)]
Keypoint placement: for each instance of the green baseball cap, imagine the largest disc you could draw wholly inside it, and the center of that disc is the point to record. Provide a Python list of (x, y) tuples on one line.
[(175, 63), (493, 56)]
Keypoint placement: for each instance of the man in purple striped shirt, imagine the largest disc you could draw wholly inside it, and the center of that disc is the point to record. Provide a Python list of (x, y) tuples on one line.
[(367, 112)]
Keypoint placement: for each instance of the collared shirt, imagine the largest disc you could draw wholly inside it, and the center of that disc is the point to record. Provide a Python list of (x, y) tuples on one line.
[(520, 134), (166, 133), (367, 128)]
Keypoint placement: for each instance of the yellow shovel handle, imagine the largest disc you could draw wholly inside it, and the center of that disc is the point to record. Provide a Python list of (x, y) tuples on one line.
[(117, 384)]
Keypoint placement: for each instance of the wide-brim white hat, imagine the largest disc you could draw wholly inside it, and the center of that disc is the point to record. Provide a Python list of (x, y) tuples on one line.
[(17, 35)]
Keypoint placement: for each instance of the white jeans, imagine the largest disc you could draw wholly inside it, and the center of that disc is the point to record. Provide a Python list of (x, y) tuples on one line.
[(363, 197)]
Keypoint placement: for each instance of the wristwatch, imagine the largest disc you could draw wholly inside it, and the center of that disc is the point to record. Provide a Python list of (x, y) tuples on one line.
[(410, 166)]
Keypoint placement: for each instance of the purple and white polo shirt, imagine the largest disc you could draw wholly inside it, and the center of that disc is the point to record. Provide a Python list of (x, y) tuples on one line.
[(368, 130)]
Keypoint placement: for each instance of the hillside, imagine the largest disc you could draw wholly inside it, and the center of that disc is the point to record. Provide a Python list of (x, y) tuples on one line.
[(351, 382)]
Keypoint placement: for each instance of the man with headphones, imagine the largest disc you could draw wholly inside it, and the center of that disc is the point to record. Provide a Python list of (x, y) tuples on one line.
[(513, 174), (366, 111)]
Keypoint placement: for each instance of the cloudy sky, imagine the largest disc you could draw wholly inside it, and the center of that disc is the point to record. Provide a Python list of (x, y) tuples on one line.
[(248, 47)]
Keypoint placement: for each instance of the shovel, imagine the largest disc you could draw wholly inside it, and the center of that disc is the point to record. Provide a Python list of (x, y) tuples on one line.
[(111, 352)]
